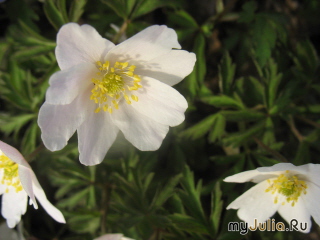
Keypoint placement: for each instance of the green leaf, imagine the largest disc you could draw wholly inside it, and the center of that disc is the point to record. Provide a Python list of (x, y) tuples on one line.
[(306, 57), (216, 208), (315, 108), (29, 140), (251, 90), (273, 79), (196, 78), (188, 224), (69, 185), (30, 52), (264, 37), (242, 115), (200, 129), (240, 138), (247, 15), (302, 155), (191, 196), (76, 10), (63, 10), (33, 37), (223, 101), (183, 19), (166, 192), (87, 222), (72, 201), (268, 136), (265, 161), (227, 72), (53, 14), (123, 8), (218, 128), (13, 124), (145, 6)]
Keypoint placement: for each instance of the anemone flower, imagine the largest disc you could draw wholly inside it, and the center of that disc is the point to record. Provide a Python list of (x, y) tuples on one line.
[(17, 182), (113, 236), (103, 88), (293, 191)]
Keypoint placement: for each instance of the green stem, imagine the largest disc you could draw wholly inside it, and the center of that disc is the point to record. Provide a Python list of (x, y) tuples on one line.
[(273, 152), (122, 30), (294, 130), (31, 156)]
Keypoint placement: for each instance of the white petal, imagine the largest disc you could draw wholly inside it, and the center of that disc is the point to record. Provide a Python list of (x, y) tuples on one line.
[(298, 212), (13, 154), (311, 201), (2, 187), (77, 44), (41, 196), (110, 236), (66, 85), (25, 170), (249, 176), (170, 68), (146, 45), (160, 102), (95, 136), (282, 167), (311, 173), (59, 122), (144, 133), (255, 204), (13, 206), (25, 175)]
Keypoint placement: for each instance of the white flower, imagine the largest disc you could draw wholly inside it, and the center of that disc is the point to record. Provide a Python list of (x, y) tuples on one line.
[(113, 236), (293, 191), (102, 88), (17, 182), (9, 233)]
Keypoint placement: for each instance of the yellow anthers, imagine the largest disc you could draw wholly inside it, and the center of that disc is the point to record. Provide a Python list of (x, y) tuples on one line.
[(10, 175), (112, 84), (289, 186), (134, 98)]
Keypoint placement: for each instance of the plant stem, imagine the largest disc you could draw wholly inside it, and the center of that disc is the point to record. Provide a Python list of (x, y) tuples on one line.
[(30, 157), (122, 30), (295, 130), (273, 152)]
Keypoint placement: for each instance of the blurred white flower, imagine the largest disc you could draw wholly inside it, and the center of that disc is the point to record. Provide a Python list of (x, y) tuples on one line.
[(9, 233), (113, 236), (17, 182), (293, 191), (102, 88)]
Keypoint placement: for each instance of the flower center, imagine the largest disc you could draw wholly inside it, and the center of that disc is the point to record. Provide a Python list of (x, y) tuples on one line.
[(10, 175), (289, 186), (114, 83)]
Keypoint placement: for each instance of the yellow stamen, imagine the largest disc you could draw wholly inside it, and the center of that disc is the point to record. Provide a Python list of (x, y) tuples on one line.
[(134, 98), (289, 186), (10, 173), (112, 84)]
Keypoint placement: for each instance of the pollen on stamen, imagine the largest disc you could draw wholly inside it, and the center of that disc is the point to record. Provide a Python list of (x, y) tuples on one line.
[(289, 186), (114, 83), (10, 176)]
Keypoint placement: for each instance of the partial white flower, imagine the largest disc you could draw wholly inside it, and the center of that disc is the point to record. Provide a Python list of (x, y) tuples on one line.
[(113, 236), (293, 191), (103, 88), (9, 233), (17, 182)]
